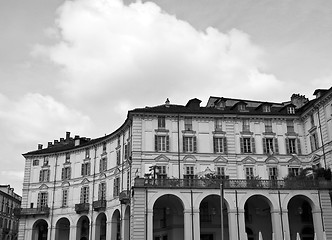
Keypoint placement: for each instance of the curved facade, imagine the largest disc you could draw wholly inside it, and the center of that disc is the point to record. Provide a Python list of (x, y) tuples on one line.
[(159, 175)]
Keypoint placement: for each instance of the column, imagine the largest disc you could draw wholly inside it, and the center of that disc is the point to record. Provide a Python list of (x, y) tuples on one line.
[(197, 227), (73, 232), (51, 233), (187, 224), (232, 224), (318, 226), (276, 224), (150, 225), (109, 230), (285, 224), (93, 230), (242, 224)]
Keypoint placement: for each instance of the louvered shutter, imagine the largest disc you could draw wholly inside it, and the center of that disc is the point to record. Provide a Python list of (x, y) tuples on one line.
[(214, 145), (184, 144), (298, 146), (63, 173), (89, 168), (287, 146), (195, 144), (167, 143), (105, 164), (241, 145), (276, 146), (264, 145), (101, 165), (225, 144), (69, 173), (82, 195), (253, 145), (40, 175), (156, 143), (100, 189), (82, 169), (38, 200)]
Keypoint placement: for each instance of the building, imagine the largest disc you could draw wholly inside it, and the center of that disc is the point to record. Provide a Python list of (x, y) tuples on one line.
[(8, 221), (160, 175)]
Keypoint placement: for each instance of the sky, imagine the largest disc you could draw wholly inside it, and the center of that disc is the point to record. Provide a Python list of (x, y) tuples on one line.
[(80, 65)]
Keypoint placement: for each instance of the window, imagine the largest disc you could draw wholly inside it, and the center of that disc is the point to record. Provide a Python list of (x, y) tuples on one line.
[(270, 146), (314, 141), (44, 175), (45, 161), (189, 176), (268, 126), (161, 143), (273, 173), (266, 108), (295, 171), (103, 165), (291, 145), (126, 151), (118, 157), (66, 172), (249, 173), (219, 145), (67, 157), (189, 144), (102, 191), (247, 145), (246, 125), (242, 107), (85, 170), (35, 162), (218, 124), (162, 172), (161, 122), (104, 148), (84, 194), (290, 126), (312, 120), (119, 141), (42, 199), (188, 124), (64, 197), (221, 171), (116, 189), (291, 110), (87, 153)]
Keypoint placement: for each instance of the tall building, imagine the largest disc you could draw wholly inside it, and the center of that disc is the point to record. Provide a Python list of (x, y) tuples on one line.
[(8, 221), (161, 175)]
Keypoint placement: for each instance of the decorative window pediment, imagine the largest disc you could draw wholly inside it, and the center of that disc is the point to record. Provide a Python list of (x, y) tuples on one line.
[(315, 158), (220, 159), (294, 161), (162, 158), (65, 184), (43, 186), (271, 160), (248, 160), (84, 181), (189, 158)]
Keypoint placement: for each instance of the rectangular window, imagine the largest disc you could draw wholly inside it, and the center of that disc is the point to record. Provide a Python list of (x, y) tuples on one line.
[(161, 143), (266, 108), (67, 157), (268, 126), (295, 171), (116, 189), (218, 124), (270, 146), (221, 171), (64, 197), (84, 194), (188, 124), (219, 145), (44, 175), (189, 176), (273, 173), (42, 199), (162, 172), (35, 162), (85, 170), (161, 122), (125, 151), (247, 145), (246, 125), (118, 157), (290, 126), (249, 173), (66, 172), (45, 161), (104, 148), (314, 141), (291, 110), (103, 165), (102, 191), (312, 121), (189, 144), (291, 145), (87, 153)]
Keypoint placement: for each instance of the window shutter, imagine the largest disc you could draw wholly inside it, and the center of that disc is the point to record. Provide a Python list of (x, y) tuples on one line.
[(241, 145), (253, 145), (38, 200), (184, 144), (264, 145), (101, 165), (287, 146), (156, 143), (105, 164), (167, 143), (89, 167), (195, 144), (82, 169), (46, 199), (225, 144), (63, 173), (82, 197), (214, 145), (99, 191), (275, 140), (40, 175), (298, 146), (69, 173)]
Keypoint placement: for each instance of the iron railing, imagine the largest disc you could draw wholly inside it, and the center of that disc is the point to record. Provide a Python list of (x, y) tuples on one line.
[(234, 183), (32, 211), (82, 207), (99, 205)]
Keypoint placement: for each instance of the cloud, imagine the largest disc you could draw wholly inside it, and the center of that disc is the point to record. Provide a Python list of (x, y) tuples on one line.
[(110, 52)]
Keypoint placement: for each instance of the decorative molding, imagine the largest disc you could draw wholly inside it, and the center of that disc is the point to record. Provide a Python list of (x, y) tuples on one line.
[(162, 158), (189, 158), (271, 160), (248, 160), (220, 159), (43, 187)]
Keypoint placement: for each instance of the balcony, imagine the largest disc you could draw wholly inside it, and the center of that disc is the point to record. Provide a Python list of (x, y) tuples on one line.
[(99, 205), (5, 230), (235, 184), (82, 208), (124, 197), (40, 211)]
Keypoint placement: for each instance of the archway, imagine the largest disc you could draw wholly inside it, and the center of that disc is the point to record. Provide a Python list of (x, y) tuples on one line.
[(116, 226), (40, 230), (126, 222), (83, 228), (300, 218), (62, 229), (210, 218), (257, 212), (168, 218), (101, 227)]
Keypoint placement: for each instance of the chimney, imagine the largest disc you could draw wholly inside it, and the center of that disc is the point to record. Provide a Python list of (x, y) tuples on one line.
[(40, 146), (299, 100), (77, 140), (62, 140), (49, 144), (56, 142), (67, 136), (194, 104), (167, 102)]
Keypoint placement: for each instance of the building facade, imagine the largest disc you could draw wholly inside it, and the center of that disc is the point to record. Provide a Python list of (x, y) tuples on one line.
[(8, 221), (161, 175)]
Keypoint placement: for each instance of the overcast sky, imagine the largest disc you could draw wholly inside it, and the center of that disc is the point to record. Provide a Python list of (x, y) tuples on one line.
[(80, 65)]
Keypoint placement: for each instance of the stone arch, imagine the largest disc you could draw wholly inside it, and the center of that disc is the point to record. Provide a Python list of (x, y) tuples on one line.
[(313, 200), (229, 203), (185, 202), (116, 225), (62, 229), (40, 230), (101, 226), (126, 223), (83, 228)]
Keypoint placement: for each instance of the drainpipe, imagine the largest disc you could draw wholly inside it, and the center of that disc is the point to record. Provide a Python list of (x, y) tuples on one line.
[(146, 214), (222, 210), (179, 147), (281, 219), (54, 183), (321, 137), (321, 211), (192, 215), (237, 216), (93, 188)]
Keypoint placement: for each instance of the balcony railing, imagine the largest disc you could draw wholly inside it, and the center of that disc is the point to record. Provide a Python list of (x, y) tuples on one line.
[(32, 211), (124, 197), (234, 184), (82, 207), (99, 205)]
